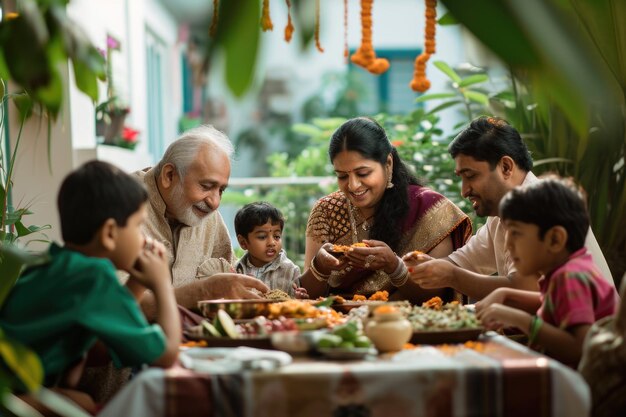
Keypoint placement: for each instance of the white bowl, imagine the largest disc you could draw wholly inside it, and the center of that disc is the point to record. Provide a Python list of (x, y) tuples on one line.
[(296, 341)]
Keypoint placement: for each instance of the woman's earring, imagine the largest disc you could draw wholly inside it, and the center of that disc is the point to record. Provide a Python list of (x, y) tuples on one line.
[(389, 183)]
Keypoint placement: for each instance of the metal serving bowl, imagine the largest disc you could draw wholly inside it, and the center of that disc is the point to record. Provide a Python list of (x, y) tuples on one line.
[(236, 309), (296, 341)]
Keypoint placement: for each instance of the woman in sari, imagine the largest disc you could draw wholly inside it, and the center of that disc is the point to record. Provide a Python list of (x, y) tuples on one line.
[(381, 204)]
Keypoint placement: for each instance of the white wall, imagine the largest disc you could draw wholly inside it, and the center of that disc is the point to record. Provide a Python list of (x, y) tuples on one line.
[(72, 136)]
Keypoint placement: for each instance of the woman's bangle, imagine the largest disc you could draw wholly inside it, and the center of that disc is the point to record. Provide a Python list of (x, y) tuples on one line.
[(317, 274), (400, 275), (533, 331)]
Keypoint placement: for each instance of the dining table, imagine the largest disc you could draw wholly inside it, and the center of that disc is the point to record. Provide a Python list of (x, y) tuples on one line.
[(494, 376)]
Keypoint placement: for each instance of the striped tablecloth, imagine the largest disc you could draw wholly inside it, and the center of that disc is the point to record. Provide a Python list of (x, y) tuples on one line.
[(502, 379)]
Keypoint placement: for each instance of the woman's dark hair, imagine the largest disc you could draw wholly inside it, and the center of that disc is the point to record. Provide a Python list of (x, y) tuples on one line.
[(489, 139), (256, 214), (93, 193), (550, 202), (368, 138)]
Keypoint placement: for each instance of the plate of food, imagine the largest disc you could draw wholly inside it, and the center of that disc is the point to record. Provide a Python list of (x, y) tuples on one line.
[(344, 305), (237, 309), (259, 342), (224, 332), (436, 323)]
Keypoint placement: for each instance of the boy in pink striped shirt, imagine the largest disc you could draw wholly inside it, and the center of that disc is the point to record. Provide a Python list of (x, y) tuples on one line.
[(546, 223)]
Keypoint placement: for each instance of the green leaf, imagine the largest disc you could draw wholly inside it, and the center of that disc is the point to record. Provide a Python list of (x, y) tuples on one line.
[(28, 66), (25, 231), (4, 70), (12, 261), (546, 161), (477, 97), (51, 95), (447, 20), (238, 35), (24, 104), (86, 79), (23, 362), (444, 106), (434, 96), (445, 68), (473, 79), (327, 302), (16, 405), (497, 27)]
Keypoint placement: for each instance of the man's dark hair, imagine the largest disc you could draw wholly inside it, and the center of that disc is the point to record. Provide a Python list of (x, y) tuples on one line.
[(93, 193), (552, 201), (368, 138), (256, 214), (489, 139)]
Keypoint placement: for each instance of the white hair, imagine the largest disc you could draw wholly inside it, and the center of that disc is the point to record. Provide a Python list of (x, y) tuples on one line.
[(182, 152)]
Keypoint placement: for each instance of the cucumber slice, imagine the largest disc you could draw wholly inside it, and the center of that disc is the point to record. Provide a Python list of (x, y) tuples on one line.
[(227, 324), (209, 329)]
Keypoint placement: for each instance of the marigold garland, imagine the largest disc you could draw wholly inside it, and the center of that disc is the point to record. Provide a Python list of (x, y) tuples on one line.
[(420, 83), (289, 27), (266, 20), (213, 28), (318, 45), (365, 55)]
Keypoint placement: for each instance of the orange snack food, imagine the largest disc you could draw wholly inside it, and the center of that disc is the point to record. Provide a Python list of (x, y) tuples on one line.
[(193, 343), (434, 303), (340, 248), (358, 297), (380, 296), (360, 245)]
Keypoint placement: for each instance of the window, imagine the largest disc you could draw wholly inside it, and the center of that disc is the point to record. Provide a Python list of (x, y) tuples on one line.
[(155, 50), (389, 92)]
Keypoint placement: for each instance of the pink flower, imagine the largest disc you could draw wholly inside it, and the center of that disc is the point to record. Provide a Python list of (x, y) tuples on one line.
[(112, 43)]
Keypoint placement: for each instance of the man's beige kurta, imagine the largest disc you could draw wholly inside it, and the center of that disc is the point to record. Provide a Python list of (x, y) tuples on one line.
[(199, 251)]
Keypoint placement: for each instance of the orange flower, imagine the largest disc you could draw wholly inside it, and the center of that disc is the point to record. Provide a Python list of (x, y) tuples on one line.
[(318, 45), (365, 56), (420, 82), (266, 20), (213, 28), (289, 27), (397, 143)]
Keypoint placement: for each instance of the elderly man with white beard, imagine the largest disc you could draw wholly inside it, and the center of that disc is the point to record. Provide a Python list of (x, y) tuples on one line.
[(185, 189)]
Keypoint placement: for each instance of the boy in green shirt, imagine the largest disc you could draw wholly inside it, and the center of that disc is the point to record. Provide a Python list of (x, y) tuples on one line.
[(62, 308)]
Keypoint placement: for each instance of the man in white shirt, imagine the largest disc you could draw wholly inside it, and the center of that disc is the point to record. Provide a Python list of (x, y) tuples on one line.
[(491, 159)]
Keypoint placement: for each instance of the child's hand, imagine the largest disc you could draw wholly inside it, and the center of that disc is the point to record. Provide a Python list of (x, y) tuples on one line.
[(300, 292), (151, 266), (497, 296), (497, 316)]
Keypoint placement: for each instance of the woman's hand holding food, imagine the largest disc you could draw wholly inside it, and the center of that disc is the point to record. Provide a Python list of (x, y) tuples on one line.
[(376, 255), (325, 262)]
